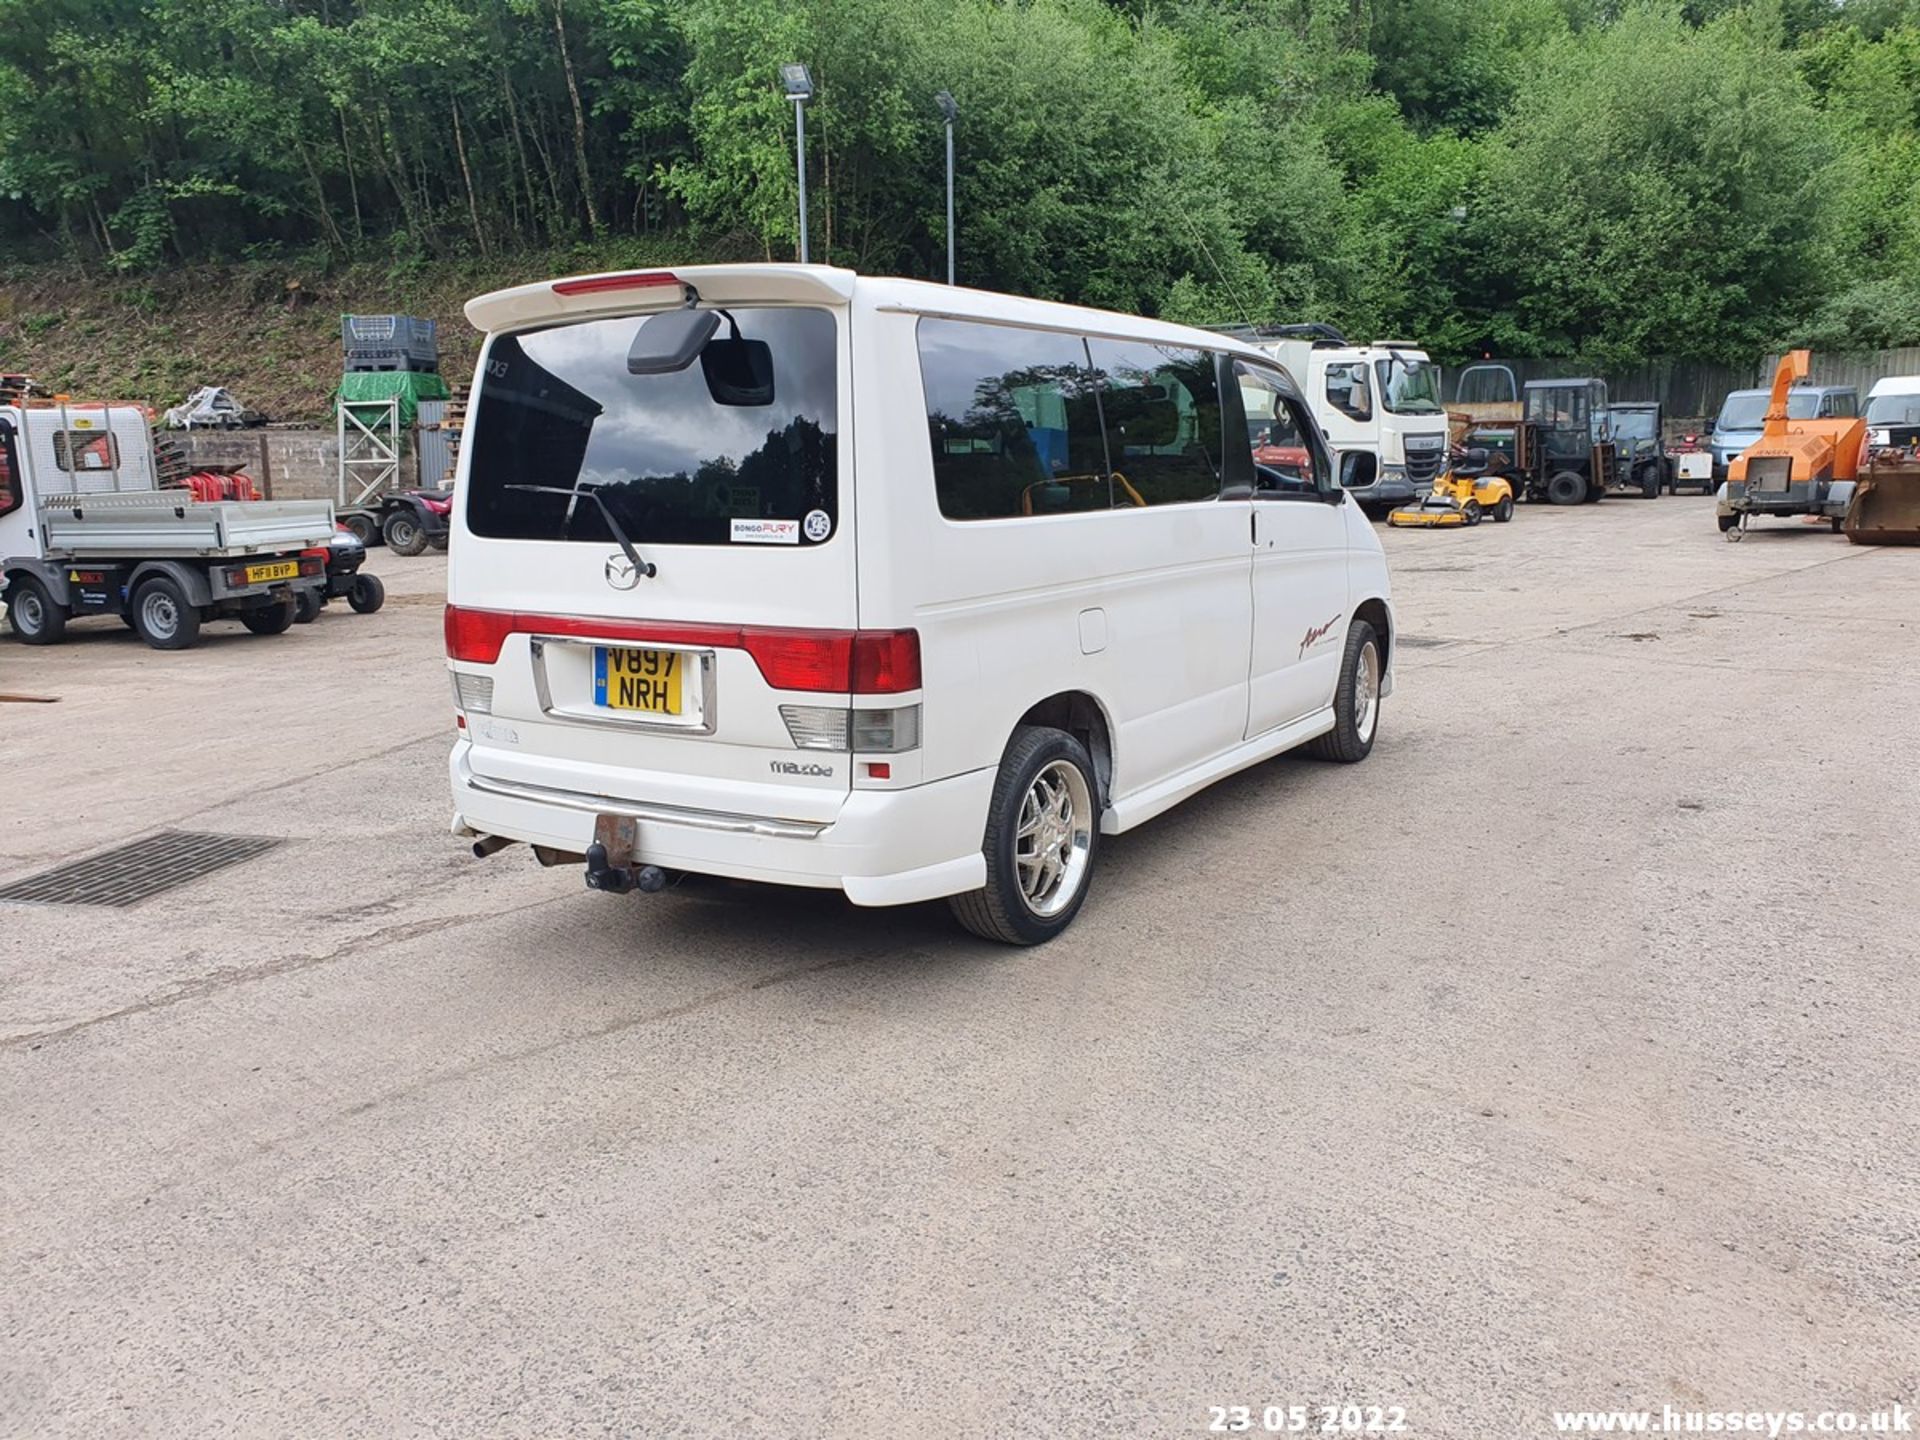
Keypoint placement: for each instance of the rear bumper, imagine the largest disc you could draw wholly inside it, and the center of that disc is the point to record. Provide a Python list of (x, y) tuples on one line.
[(884, 847)]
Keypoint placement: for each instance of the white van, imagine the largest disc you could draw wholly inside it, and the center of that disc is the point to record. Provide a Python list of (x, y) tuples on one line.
[(779, 573)]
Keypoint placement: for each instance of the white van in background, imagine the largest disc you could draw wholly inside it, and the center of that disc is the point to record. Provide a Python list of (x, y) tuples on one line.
[(779, 573)]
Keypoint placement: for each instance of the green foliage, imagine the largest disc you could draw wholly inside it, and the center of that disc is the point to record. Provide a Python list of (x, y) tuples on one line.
[(1607, 178)]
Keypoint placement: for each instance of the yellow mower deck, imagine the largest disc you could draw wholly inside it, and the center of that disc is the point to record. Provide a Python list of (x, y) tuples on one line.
[(1425, 517)]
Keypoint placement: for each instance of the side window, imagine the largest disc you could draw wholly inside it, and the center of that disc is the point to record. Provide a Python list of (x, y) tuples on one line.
[(1286, 460), (79, 450), (1843, 405), (1347, 390), (1013, 421), (11, 488), (1162, 409)]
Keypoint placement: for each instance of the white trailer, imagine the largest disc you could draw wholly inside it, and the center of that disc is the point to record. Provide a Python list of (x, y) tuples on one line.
[(85, 529)]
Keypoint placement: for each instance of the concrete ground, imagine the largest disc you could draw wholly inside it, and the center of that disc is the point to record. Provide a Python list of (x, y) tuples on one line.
[(1561, 1056)]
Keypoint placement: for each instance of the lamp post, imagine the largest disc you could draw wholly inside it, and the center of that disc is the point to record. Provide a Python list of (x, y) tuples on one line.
[(952, 111), (798, 81)]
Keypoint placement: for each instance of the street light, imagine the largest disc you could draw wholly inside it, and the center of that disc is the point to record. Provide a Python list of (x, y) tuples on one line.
[(952, 111), (798, 81)]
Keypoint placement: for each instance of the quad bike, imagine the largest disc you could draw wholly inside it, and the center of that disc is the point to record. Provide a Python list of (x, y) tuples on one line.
[(344, 556)]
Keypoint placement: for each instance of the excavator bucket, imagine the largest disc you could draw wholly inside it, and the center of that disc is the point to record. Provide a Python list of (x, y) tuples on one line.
[(1886, 504)]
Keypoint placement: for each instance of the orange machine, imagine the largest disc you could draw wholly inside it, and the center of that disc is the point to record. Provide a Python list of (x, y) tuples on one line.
[(1796, 467)]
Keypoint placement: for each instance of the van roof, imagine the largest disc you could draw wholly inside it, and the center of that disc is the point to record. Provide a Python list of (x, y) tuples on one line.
[(1895, 385), (629, 292)]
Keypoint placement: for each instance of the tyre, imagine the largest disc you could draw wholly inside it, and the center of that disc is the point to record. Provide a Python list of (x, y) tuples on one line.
[(403, 533), (439, 542), (1473, 512), (1503, 511), (1043, 835), (363, 528), (31, 610), (1649, 478), (162, 617), (275, 619), (306, 606), (1356, 700), (1836, 521), (1566, 487), (367, 594), (1727, 522)]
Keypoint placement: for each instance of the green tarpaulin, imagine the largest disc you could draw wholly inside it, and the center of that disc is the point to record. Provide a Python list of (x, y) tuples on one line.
[(410, 387)]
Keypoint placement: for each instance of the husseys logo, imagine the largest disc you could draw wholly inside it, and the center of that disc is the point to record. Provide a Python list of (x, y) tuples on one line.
[(790, 767), (1319, 632)]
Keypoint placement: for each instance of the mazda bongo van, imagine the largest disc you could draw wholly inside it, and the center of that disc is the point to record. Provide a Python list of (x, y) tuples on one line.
[(780, 573)]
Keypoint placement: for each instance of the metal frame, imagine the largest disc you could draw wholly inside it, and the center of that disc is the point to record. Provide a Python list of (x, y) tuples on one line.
[(369, 452)]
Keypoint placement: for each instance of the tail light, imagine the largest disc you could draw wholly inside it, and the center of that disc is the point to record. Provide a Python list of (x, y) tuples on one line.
[(861, 662), (599, 284)]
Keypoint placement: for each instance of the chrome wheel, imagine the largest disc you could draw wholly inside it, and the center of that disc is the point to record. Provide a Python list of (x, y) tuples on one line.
[(1366, 691), (1054, 839), (159, 614)]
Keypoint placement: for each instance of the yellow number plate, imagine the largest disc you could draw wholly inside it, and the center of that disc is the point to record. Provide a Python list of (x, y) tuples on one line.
[(648, 681), (279, 570)]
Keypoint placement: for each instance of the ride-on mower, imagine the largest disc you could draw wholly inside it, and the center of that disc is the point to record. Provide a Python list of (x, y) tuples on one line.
[(1464, 494)]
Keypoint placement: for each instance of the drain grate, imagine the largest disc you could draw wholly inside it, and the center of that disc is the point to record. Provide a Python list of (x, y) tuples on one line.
[(136, 871)]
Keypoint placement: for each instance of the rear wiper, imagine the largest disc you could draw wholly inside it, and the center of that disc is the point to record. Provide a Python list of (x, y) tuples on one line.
[(644, 568)]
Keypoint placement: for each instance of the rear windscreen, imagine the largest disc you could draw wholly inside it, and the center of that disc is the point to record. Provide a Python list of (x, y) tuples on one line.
[(737, 447)]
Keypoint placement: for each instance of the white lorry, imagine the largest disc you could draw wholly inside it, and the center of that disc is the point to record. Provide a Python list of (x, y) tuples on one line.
[(1378, 403), (85, 529)]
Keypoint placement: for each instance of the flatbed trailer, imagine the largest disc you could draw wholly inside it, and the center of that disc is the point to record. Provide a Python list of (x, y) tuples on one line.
[(85, 530)]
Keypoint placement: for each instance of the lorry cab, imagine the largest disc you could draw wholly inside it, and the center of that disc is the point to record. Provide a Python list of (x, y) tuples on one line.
[(784, 574), (1378, 406)]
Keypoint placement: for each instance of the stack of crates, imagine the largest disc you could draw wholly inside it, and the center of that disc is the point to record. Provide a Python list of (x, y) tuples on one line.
[(389, 342)]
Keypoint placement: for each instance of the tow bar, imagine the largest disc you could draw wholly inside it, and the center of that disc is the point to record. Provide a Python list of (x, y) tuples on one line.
[(610, 859)]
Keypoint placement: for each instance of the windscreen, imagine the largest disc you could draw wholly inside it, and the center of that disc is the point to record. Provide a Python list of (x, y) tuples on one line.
[(1749, 411), (1408, 386), (694, 457), (1633, 425), (1894, 410)]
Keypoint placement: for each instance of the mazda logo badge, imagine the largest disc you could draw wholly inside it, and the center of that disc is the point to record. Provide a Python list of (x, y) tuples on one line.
[(620, 573)]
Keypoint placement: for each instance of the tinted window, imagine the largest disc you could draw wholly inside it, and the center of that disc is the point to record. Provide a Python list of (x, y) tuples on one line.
[(558, 408), (1285, 461), (1161, 404), (1013, 421), (1842, 405)]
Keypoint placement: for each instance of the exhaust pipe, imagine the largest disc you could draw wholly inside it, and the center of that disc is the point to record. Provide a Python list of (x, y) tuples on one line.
[(487, 844)]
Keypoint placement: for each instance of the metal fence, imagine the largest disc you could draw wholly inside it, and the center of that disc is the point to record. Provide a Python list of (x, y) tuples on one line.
[(1692, 391), (435, 441)]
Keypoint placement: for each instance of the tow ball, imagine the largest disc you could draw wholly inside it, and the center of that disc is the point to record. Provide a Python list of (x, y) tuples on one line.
[(610, 859)]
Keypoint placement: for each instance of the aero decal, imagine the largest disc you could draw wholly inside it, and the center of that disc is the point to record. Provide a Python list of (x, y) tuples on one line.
[(1314, 636)]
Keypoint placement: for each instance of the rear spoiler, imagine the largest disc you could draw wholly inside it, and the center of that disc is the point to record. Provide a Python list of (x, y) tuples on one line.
[(638, 292)]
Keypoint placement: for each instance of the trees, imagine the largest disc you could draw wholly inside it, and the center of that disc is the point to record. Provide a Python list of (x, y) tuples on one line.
[(1573, 176)]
